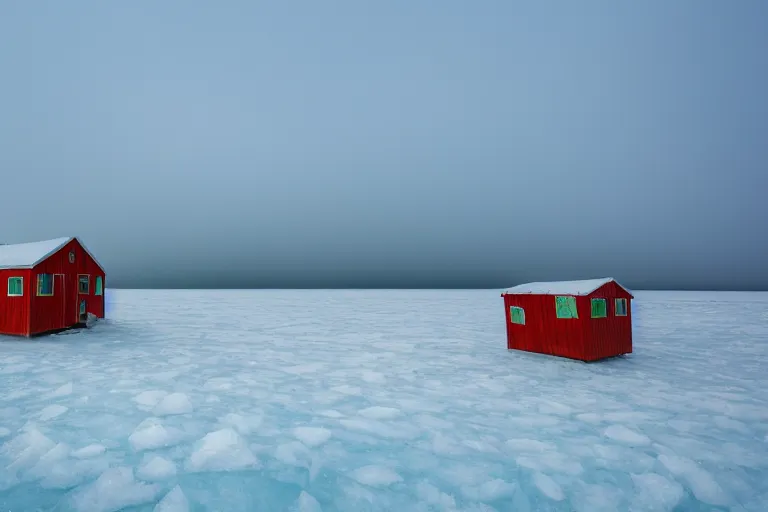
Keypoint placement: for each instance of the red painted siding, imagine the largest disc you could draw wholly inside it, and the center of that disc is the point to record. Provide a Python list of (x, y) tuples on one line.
[(14, 311), (610, 336), (543, 332), (61, 310), (583, 338)]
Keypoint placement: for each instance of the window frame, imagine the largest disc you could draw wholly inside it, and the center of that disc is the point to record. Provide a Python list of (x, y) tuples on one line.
[(88, 282), (592, 307), (21, 286), (512, 310), (575, 312), (96, 291), (624, 302), (39, 294)]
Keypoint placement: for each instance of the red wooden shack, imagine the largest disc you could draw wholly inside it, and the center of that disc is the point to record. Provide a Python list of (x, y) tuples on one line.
[(586, 320), (50, 286)]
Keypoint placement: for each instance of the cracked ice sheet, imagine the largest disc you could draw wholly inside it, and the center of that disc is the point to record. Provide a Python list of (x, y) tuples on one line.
[(383, 400)]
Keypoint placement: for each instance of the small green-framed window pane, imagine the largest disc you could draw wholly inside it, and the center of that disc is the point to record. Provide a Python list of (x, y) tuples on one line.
[(566, 307), (599, 308), (621, 307), (15, 287), (45, 284), (517, 314), (99, 285), (84, 284)]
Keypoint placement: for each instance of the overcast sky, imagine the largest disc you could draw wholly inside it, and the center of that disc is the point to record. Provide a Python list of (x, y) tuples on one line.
[(391, 144)]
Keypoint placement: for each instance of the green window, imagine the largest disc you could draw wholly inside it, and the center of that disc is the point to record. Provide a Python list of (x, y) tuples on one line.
[(45, 285), (566, 307), (15, 288), (599, 308), (621, 307), (517, 315), (84, 284), (99, 286)]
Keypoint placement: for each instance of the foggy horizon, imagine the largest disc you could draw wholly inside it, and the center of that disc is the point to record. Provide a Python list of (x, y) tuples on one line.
[(396, 145)]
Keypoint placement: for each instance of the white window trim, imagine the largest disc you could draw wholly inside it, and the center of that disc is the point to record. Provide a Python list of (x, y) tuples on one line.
[(626, 307), (89, 284), (8, 289), (53, 285), (96, 289)]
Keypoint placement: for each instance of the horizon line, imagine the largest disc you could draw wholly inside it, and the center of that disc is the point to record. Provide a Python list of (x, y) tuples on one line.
[(408, 289)]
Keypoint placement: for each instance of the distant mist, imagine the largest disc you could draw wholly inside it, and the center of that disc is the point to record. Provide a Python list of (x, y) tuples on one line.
[(393, 144)]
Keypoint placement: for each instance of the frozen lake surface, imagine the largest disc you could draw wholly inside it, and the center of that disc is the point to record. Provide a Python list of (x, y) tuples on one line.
[(383, 400)]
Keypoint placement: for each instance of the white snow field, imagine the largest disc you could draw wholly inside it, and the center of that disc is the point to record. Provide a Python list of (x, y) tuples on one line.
[(383, 400)]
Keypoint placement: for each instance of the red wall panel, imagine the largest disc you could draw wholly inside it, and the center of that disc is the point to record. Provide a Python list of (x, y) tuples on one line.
[(543, 332), (610, 336), (14, 311)]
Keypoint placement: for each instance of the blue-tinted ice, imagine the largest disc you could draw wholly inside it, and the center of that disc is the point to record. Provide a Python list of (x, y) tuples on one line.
[(382, 400)]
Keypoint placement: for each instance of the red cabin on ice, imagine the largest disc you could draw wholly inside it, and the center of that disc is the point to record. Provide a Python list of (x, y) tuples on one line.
[(585, 320), (49, 286)]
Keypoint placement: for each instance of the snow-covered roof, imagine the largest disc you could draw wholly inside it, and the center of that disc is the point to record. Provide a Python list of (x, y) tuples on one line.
[(27, 255), (583, 287)]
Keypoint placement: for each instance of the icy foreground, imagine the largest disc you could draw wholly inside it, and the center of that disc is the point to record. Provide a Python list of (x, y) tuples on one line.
[(382, 400)]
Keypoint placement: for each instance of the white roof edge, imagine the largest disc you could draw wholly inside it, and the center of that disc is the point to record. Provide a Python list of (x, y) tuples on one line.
[(53, 251), (64, 241), (580, 287)]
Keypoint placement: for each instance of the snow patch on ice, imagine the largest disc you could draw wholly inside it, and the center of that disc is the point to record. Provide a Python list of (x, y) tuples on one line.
[(700, 481), (625, 435), (58, 453), (174, 501), (548, 487), (303, 369), (306, 503), (380, 413), (114, 490), (597, 498), (346, 389), (52, 411), (293, 453), (146, 400), (245, 425), (654, 492), (312, 436), (375, 476), (175, 403), (372, 377), (26, 449), (490, 490), (156, 468), (4, 432), (151, 434), (222, 450), (64, 390), (528, 445), (435, 497), (379, 428), (92, 450)]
